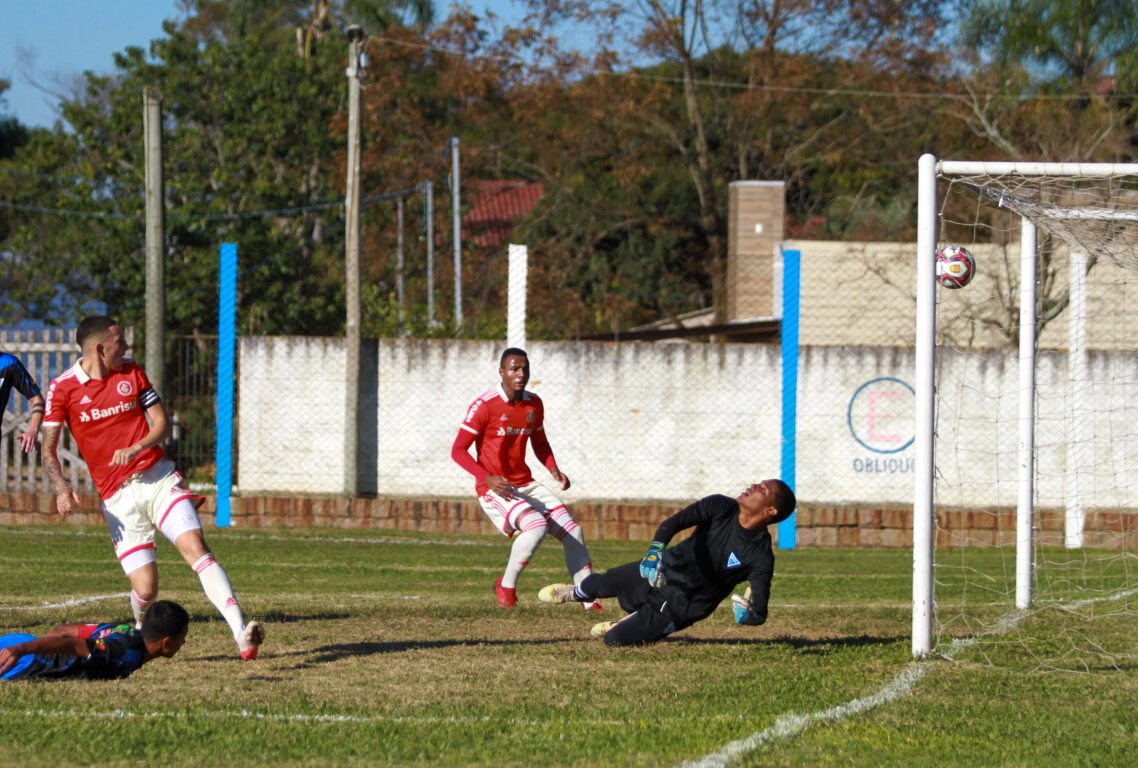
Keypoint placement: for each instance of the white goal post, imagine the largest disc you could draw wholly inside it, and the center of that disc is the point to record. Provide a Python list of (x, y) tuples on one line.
[(1089, 228)]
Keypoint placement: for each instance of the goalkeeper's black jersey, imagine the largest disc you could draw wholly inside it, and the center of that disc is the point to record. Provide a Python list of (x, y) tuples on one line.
[(706, 567)]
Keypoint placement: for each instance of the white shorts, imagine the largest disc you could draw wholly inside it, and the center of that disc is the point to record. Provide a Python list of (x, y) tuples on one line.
[(150, 500), (504, 514)]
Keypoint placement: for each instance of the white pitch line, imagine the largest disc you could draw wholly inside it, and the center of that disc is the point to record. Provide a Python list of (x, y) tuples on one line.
[(65, 604), (354, 540), (1077, 604), (268, 537), (794, 724), (790, 725), (244, 714), (118, 595), (53, 532)]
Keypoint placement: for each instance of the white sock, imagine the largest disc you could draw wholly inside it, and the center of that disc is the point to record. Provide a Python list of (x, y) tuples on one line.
[(572, 539), (531, 533), (138, 607), (215, 584)]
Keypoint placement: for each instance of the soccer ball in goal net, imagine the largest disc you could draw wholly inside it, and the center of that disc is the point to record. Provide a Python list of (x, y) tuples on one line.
[(1026, 495)]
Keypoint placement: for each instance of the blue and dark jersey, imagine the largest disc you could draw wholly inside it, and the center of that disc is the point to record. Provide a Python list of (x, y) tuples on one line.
[(13, 374), (707, 566), (115, 650)]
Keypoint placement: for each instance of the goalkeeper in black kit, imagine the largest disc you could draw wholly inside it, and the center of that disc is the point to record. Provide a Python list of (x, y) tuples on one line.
[(673, 588)]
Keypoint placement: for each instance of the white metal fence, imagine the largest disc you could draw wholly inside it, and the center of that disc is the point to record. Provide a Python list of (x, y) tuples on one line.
[(46, 354)]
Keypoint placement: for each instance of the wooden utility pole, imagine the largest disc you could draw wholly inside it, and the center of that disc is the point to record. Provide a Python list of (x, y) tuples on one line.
[(456, 222), (352, 268), (429, 193), (155, 241)]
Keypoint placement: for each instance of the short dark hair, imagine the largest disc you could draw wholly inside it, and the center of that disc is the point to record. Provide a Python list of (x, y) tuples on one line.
[(784, 501), (94, 325), (511, 351), (164, 619)]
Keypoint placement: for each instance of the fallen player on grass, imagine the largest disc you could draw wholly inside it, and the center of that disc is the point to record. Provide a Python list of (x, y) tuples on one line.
[(95, 651)]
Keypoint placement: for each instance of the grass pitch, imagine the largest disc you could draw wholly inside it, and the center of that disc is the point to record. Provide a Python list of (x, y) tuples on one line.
[(388, 648)]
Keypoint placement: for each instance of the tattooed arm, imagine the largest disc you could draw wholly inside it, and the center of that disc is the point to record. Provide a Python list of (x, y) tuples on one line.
[(66, 499)]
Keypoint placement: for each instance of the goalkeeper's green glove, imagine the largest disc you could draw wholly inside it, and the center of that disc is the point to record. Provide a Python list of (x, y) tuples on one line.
[(652, 566), (741, 606)]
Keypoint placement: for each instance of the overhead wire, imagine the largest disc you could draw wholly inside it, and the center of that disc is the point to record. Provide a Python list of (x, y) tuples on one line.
[(727, 84)]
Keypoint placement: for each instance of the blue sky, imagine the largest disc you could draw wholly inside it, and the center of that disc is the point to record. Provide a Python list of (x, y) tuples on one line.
[(53, 41)]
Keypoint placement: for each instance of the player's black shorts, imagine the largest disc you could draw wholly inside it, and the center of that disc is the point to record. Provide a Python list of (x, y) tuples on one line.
[(655, 612)]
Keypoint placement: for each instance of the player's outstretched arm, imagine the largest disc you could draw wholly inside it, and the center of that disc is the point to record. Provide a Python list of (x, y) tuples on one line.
[(48, 644), (652, 566), (9, 656), (561, 478), (741, 608), (544, 454), (64, 630), (460, 454), (691, 515), (66, 499), (751, 608), (501, 486), (28, 439)]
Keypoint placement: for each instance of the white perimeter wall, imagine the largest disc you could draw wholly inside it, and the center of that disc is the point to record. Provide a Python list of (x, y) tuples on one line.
[(675, 422)]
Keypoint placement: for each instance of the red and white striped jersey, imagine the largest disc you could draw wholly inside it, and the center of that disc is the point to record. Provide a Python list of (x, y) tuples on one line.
[(103, 416), (502, 431)]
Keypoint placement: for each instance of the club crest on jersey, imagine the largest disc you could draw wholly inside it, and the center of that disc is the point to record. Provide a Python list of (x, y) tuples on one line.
[(530, 416), (124, 388), (732, 561)]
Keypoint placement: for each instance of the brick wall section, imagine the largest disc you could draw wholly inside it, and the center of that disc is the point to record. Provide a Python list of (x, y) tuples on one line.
[(824, 527)]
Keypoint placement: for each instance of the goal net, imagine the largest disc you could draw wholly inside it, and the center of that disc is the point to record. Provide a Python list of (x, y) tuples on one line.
[(1026, 494)]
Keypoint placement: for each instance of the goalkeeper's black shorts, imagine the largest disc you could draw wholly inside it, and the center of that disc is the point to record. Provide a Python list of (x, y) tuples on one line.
[(654, 612)]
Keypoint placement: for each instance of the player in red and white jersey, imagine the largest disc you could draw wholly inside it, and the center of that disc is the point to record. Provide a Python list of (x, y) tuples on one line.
[(104, 415), (500, 424), (106, 402)]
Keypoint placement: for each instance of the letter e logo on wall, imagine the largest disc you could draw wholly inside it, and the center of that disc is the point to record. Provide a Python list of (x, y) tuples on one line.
[(880, 415)]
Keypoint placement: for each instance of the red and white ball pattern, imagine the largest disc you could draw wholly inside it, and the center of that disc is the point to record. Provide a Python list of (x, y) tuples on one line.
[(954, 266)]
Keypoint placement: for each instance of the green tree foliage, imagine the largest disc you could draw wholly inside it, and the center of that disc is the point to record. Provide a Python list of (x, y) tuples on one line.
[(1051, 89), (1076, 41), (376, 16), (633, 141), (13, 135), (252, 140), (1049, 81), (735, 91)]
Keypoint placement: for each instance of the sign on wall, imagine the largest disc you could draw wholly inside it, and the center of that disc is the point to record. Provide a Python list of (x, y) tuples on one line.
[(880, 418)]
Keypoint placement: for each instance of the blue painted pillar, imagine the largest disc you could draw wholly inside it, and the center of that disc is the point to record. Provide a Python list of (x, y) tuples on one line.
[(226, 354), (791, 273)]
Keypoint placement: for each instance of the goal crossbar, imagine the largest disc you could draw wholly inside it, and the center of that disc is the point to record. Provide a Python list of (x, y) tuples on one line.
[(971, 168)]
